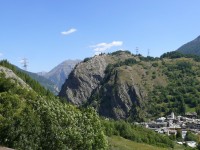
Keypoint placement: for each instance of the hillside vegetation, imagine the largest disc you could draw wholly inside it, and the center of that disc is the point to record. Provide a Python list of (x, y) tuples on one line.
[(38, 120), (125, 86)]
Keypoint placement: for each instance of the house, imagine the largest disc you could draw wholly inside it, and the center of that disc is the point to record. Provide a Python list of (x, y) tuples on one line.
[(184, 132), (157, 124), (171, 116), (193, 125), (161, 119), (192, 115), (172, 132)]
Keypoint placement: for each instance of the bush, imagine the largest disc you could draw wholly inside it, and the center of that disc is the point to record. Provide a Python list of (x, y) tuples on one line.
[(191, 137), (86, 59), (155, 64)]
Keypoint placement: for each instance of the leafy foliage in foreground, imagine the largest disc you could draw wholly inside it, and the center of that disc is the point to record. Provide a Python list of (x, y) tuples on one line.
[(136, 133), (31, 121)]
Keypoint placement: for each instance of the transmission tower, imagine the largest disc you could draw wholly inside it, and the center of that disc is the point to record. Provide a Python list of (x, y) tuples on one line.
[(148, 52), (24, 63), (136, 49)]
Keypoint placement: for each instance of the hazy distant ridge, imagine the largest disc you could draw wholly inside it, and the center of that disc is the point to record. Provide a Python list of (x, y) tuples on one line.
[(192, 47), (60, 73)]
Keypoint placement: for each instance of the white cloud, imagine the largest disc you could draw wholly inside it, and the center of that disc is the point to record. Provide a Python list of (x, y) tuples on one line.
[(1, 54), (21, 61), (69, 31), (102, 47)]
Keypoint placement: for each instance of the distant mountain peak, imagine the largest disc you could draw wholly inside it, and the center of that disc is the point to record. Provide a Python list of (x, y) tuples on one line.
[(60, 73)]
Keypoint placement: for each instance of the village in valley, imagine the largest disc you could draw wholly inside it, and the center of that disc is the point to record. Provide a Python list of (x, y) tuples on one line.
[(171, 125)]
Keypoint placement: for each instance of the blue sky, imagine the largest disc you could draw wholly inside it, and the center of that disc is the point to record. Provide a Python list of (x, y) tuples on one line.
[(47, 32)]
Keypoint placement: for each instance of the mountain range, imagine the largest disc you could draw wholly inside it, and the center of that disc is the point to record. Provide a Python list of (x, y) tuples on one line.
[(31, 117), (54, 79), (118, 85)]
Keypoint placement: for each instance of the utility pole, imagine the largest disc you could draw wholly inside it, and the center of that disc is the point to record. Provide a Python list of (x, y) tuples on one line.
[(148, 53)]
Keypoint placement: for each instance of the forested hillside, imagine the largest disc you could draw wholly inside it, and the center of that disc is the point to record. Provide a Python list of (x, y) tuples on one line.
[(32, 118), (48, 84)]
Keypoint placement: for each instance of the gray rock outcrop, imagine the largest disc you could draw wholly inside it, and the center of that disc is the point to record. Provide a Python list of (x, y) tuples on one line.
[(10, 74), (83, 80)]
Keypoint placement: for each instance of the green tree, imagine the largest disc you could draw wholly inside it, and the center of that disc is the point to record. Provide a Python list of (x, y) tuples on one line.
[(179, 135), (198, 110), (198, 146), (191, 137)]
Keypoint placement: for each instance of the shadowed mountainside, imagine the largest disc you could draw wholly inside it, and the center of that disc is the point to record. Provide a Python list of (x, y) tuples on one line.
[(192, 47)]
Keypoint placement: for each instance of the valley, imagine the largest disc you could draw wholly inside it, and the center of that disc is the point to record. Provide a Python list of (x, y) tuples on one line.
[(99, 75), (110, 101)]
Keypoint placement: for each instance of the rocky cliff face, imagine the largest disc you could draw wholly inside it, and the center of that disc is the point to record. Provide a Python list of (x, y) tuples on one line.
[(83, 80), (114, 92), (118, 96)]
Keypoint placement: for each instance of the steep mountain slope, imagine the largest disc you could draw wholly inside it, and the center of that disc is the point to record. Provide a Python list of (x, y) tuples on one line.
[(40, 79), (86, 77), (111, 83), (48, 84), (10, 74), (42, 73), (192, 47), (60, 73), (121, 85), (31, 119)]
